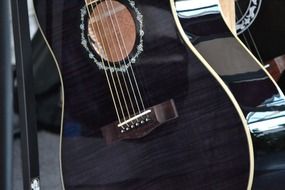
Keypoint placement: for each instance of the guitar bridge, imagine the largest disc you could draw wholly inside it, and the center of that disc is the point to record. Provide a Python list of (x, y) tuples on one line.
[(136, 121), (141, 124)]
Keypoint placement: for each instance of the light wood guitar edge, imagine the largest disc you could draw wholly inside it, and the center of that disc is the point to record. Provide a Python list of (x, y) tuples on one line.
[(228, 9), (62, 100), (226, 89)]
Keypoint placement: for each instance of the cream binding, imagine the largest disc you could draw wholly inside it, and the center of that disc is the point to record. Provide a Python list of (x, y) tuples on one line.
[(209, 68), (226, 89)]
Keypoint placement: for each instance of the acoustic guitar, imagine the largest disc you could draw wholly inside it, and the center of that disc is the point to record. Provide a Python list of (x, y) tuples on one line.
[(268, 47), (139, 110), (263, 104)]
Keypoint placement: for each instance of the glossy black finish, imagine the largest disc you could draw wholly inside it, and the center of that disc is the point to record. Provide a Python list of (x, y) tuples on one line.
[(263, 104), (204, 148)]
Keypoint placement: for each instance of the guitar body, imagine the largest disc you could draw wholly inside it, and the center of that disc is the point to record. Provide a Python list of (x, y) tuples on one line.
[(266, 26), (199, 139), (267, 46), (261, 100)]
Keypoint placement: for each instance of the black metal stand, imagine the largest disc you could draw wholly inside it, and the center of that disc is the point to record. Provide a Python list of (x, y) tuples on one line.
[(30, 160), (6, 94)]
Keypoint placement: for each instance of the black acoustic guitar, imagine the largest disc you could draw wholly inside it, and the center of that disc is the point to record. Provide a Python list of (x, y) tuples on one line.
[(140, 111), (262, 102)]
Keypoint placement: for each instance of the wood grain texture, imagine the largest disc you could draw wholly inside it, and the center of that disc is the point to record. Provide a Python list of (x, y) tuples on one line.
[(257, 94), (204, 148)]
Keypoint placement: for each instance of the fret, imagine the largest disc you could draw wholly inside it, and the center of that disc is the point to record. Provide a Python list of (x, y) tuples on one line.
[(89, 2)]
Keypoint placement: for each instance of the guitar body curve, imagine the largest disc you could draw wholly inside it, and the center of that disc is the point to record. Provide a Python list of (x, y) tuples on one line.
[(261, 100), (202, 146)]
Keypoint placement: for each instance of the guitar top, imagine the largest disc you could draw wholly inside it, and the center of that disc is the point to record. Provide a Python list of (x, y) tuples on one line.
[(141, 112), (261, 100)]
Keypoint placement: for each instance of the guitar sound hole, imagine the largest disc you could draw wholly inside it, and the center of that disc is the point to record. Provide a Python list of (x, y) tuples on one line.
[(112, 30)]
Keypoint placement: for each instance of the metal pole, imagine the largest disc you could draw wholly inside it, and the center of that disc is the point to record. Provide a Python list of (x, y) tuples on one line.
[(23, 52), (6, 94)]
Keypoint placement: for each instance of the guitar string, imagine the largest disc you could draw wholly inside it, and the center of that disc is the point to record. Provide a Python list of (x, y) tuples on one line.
[(119, 62), (245, 39), (117, 75), (132, 71), (105, 52), (108, 80), (127, 71), (255, 46), (250, 36)]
